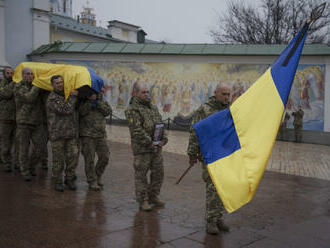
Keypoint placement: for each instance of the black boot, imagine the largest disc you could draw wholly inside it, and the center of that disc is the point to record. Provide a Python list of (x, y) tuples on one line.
[(70, 184), (59, 187), (99, 181), (27, 178), (94, 186), (156, 202), (222, 226), (8, 168), (145, 206), (33, 172), (212, 228), (44, 166)]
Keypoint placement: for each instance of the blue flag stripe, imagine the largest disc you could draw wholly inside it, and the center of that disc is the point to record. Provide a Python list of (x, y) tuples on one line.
[(217, 136), (96, 81), (283, 75)]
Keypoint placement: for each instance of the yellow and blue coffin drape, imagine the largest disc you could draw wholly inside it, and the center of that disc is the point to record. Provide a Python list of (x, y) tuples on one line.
[(74, 76), (236, 143)]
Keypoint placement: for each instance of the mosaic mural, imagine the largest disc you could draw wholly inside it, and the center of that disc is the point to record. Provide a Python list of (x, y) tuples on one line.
[(179, 88)]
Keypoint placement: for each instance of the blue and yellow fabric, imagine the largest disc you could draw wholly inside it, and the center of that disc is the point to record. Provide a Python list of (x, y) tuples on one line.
[(74, 76), (236, 143)]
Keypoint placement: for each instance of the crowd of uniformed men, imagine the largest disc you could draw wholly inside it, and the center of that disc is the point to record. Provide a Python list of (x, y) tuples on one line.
[(30, 117)]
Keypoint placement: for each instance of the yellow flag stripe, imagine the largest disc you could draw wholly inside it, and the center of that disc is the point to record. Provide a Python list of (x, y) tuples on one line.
[(256, 134)]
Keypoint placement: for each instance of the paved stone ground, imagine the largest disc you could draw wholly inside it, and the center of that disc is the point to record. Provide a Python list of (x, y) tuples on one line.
[(287, 210)]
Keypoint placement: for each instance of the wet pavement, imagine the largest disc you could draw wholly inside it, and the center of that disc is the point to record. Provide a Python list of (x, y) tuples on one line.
[(287, 210)]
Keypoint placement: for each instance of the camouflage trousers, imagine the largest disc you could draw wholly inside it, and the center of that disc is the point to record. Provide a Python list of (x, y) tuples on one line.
[(65, 157), (90, 146), (26, 134), (0, 146), (44, 152), (7, 134), (148, 188), (44, 156), (214, 207)]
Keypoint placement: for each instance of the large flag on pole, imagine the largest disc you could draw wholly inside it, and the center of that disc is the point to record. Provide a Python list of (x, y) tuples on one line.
[(236, 143)]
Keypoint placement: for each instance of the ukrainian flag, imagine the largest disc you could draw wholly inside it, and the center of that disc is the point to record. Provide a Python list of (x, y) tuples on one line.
[(236, 143), (74, 76)]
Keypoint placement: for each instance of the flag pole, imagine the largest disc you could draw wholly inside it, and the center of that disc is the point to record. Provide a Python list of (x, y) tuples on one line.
[(315, 14), (184, 173)]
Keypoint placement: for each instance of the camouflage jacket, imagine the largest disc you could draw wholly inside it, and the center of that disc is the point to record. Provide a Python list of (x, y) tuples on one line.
[(142, 116), (61, 116), (210, 107), (92, 121), (28, 104), (7, 101), (298, 117), (44, 96)]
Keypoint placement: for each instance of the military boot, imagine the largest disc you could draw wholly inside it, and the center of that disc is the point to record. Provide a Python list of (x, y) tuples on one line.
[(222, 226), (145, 206), (33, 172), (8, 168), (70, 184), (16, 168), (44, 166), (156, 202), (99, 181), (59, 187), (27, 178), (94, 186), (212, 228)]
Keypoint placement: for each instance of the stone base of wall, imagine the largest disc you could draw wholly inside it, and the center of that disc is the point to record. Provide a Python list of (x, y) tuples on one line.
[(310, 137)]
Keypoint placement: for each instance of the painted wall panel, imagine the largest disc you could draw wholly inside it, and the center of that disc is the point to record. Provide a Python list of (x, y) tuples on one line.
[(180, 88)]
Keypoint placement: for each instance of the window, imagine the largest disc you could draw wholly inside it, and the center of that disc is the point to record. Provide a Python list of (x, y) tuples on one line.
[(124, 33)]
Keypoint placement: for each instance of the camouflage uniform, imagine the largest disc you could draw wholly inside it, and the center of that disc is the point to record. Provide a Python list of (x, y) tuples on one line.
[(44, 153), (142, 116), (62, 130), (214, 206), (29, 125), (298, 124), (92, 131), (7, 122), (44, 157)]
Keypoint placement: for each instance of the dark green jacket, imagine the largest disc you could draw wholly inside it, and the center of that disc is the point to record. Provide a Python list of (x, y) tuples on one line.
[(92, 122), (28, 104), (7, 101), (62, 116), (142, 116)]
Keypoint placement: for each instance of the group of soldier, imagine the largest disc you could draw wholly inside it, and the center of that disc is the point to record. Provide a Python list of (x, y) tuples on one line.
[(30, 117), (142, 117)]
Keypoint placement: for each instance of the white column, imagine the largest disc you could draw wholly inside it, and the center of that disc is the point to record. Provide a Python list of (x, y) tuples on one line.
[(3, 60), (327, 97)]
